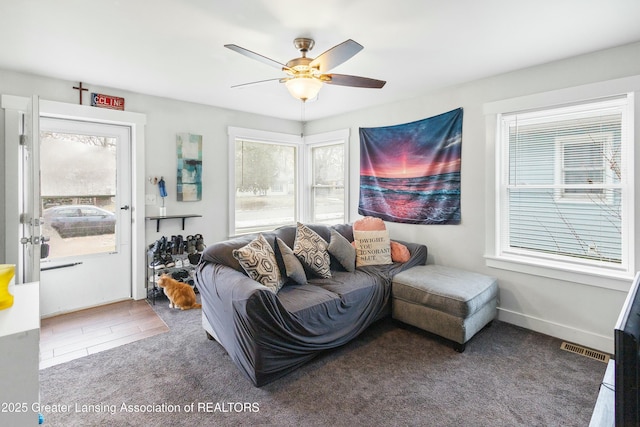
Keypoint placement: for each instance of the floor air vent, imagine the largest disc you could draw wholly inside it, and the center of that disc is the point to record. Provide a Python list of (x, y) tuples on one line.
[(583, 351)]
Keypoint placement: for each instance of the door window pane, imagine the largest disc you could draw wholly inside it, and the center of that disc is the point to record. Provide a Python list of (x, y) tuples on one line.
[(78, 192)]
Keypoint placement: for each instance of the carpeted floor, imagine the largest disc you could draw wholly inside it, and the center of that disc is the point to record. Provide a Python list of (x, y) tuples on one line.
[(390, 375)]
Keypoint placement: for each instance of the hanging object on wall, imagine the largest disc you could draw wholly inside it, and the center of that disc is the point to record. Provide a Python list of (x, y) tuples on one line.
[(80, 89), (107, 101), (162, 189), (410, 173), (189, 151)]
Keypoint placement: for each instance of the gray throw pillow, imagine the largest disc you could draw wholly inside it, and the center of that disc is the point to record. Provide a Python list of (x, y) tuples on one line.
[(343, 251), (292, 266)]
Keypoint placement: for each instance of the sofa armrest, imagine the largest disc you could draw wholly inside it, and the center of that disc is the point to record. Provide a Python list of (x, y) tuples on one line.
[(249, 321), (224, 292), (418, 253), (223, 285), (418, 257)]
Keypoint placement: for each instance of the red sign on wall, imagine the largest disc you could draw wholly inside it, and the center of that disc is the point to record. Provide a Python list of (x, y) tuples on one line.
[(107, 101)]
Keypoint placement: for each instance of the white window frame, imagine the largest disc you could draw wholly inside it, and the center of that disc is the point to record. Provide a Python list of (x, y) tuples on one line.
[(323, 140), (495, 256), (303, 144)]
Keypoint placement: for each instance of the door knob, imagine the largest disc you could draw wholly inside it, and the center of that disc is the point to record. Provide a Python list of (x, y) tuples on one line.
[(125, 208)]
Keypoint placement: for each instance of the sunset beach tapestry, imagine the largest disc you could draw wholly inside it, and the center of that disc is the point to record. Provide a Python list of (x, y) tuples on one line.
[(410, 173)]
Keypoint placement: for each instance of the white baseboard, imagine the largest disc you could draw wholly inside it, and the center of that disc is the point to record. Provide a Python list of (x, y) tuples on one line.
[(567, 333)]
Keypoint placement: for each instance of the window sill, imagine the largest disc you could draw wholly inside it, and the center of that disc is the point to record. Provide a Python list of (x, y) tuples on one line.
[(607, 279)]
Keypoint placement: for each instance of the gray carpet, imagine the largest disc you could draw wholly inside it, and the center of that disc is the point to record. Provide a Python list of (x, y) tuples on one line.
[(390, 375)]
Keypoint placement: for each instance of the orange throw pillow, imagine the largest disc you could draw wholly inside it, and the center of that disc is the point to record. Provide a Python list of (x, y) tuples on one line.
[(399, 252), (369, 223)]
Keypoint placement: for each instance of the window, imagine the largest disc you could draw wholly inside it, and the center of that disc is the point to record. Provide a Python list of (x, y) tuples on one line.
[(279, 179), (265, 185), (565, 186), (584, 160), (328, 197)]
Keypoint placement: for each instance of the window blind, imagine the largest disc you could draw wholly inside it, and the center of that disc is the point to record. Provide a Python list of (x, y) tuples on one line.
[(565, 182)]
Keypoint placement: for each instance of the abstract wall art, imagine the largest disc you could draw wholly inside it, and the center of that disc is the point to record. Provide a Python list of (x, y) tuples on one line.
[(410, 173), (189, 151)]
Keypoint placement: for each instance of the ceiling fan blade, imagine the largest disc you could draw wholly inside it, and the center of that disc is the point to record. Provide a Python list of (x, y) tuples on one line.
[(256, 82), (336, 55), (256, 56), (355, 81)]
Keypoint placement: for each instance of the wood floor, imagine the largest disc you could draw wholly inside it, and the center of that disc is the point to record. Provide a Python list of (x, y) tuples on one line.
[(74, 335)]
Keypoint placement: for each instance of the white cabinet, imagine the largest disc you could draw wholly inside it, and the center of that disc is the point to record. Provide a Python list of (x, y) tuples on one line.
[(604, 413), (19, 357)]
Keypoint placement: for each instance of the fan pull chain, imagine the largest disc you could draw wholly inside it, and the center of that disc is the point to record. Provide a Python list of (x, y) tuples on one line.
[(302, 111)]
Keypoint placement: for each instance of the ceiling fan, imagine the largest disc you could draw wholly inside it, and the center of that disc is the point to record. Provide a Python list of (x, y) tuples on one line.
[(305, 76)]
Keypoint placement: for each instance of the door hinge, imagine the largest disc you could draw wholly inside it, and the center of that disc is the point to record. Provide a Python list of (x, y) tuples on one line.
[(23, 140)]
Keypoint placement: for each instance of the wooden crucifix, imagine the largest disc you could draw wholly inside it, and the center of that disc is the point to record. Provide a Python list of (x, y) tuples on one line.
[(80, 89)]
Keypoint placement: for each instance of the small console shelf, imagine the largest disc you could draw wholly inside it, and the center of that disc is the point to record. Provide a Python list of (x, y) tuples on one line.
[(160, 218)]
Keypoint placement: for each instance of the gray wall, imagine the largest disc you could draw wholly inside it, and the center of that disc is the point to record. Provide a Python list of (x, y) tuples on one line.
[(572, 311)]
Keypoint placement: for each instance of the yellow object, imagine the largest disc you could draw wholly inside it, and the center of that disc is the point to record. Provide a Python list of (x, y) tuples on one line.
[(6, 274)]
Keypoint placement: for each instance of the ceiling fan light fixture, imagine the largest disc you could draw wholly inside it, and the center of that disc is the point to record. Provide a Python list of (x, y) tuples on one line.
[(305, 76), (303, 87)]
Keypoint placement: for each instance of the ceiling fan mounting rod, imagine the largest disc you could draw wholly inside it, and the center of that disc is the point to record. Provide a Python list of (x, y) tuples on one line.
[(304, 45)]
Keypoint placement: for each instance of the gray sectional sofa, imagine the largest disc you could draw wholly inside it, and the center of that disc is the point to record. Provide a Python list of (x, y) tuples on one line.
[(268, 334)]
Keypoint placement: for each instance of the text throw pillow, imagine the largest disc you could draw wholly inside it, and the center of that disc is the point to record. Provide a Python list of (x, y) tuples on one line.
[(372, 248)]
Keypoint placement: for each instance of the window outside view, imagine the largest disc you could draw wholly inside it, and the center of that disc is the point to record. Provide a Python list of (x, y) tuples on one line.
[(328, 184), (265, 184), (78, 185), (564, 195), (267, 177)]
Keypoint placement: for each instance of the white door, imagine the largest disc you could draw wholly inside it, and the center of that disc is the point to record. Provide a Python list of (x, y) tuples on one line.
[(22, 203), (85, 196)]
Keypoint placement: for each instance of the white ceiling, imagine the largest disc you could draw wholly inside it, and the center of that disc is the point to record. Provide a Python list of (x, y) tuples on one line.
[(174, 48)]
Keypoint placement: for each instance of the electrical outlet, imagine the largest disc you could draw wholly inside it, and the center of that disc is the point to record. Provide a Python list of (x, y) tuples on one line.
[(150, 199)]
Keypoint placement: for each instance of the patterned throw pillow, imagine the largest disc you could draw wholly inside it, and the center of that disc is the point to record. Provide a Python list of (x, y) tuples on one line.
[(259, 261), (342, 250), (372, 247), (311, 250)]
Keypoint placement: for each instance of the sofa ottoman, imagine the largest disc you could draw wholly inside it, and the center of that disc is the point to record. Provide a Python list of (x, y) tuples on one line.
[(452, 303)]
